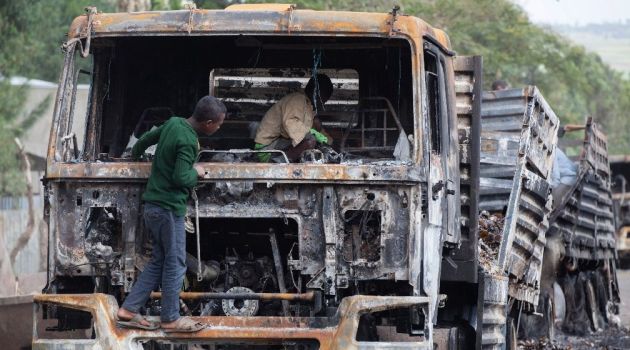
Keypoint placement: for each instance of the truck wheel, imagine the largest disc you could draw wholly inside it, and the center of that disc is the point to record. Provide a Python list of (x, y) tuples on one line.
[(511, 338), (592, 306), (550, 316)]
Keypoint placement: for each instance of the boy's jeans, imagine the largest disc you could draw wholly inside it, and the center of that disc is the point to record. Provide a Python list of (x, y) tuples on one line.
[(167, 265)]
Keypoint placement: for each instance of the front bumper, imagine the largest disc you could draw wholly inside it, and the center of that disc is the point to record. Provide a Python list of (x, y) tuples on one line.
[(337, 332)]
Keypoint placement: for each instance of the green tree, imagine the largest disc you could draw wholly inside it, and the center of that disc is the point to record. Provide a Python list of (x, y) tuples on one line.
[(576, 83), (31, 34), (15, 41), (212, 4), (158, 5), (49, 31)]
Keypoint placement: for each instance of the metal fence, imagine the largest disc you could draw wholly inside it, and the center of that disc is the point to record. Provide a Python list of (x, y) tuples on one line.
[(14, 213)]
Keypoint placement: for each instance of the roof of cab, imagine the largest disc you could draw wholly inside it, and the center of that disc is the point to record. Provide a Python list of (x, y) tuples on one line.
[(256, 19)]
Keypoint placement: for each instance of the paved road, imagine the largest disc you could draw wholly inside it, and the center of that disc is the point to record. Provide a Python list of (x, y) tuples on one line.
[(623, 277)]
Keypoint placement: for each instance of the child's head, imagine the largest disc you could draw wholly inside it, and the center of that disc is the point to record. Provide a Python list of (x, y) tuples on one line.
[(209, 114)]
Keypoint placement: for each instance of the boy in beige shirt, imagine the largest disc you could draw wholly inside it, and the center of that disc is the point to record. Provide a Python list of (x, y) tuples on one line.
[(288, 125)]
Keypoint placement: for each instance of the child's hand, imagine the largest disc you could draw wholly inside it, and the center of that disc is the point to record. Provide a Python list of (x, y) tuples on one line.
[(201, 172), (321, 138)]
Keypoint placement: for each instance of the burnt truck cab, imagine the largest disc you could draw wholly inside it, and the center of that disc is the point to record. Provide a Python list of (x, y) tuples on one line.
[(341, 250)]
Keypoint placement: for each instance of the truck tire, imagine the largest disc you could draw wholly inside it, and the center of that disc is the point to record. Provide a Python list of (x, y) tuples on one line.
[(511, 337), (592, 306), (550, 317)]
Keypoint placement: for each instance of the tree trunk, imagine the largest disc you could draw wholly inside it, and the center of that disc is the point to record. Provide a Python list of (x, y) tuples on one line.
[(133, 5)]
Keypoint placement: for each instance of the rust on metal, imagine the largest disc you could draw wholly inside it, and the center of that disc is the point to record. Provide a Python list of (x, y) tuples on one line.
[(294, 172), (308, 296), (268, 18), (341, 226), (338, 332), (261, 7)]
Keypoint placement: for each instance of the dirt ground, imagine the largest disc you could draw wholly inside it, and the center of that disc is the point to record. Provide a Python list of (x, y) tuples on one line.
[(609, 339), (624, 286)]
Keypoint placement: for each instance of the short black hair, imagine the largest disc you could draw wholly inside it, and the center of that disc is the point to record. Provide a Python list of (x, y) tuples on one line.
[(324, 85), (500, 85), (208, 108)]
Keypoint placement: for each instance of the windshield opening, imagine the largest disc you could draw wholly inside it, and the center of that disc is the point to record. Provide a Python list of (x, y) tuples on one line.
[(141, 82)]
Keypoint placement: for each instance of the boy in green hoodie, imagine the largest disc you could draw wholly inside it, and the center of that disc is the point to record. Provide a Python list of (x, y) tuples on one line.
[(172, 176)]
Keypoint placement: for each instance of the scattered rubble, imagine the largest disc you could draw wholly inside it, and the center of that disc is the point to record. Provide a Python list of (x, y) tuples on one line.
[(490, 232), (491, 228), (610, 339)]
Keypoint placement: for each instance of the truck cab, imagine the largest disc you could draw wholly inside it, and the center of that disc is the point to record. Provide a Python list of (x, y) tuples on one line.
[(341, 250)]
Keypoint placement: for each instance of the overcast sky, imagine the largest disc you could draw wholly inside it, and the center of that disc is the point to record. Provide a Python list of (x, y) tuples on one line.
[(576, 11)]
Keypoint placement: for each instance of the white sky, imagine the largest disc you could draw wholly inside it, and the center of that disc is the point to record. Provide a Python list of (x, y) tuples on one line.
[(576, 11)]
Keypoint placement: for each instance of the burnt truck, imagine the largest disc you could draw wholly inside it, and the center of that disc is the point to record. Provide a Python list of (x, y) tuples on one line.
[(620, 173), (582, 238), (372, 242), (570, 265)]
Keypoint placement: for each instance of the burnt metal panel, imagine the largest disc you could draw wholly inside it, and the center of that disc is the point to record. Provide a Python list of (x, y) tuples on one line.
[(584, 216), (251, 21), (518, 141), (386, 172), (336, 332), (495, 299), (620, 174), (266, 86), (248, 93), (461, 262), (595, 150), (74, 252)]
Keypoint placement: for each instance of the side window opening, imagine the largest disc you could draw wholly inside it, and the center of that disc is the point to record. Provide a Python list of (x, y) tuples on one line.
[(73, 111), (434, 96)]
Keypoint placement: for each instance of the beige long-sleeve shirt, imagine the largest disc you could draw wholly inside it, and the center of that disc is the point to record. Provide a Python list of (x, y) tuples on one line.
[(291, 118)]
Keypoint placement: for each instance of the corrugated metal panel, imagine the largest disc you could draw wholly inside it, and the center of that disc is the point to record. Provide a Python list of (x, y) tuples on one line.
[(13, 222), (585, 215), (248, 93), (468, 72), (264, 86), (495, 299), (13, 203), (518, 140)]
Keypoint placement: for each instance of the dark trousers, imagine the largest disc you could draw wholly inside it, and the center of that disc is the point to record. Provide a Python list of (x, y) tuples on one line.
[(167, 266)]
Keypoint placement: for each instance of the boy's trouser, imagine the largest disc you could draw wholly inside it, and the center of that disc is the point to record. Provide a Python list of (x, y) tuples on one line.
[(167, 265)]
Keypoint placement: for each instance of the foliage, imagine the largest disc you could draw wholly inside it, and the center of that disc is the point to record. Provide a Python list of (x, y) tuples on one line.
[(158, 5), (213, 4), (31, 34), (13, 26), (610, 40), (52, 19), (575, 83)]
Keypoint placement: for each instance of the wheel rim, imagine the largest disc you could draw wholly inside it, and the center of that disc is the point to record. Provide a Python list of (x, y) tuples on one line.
[(592, 306)]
